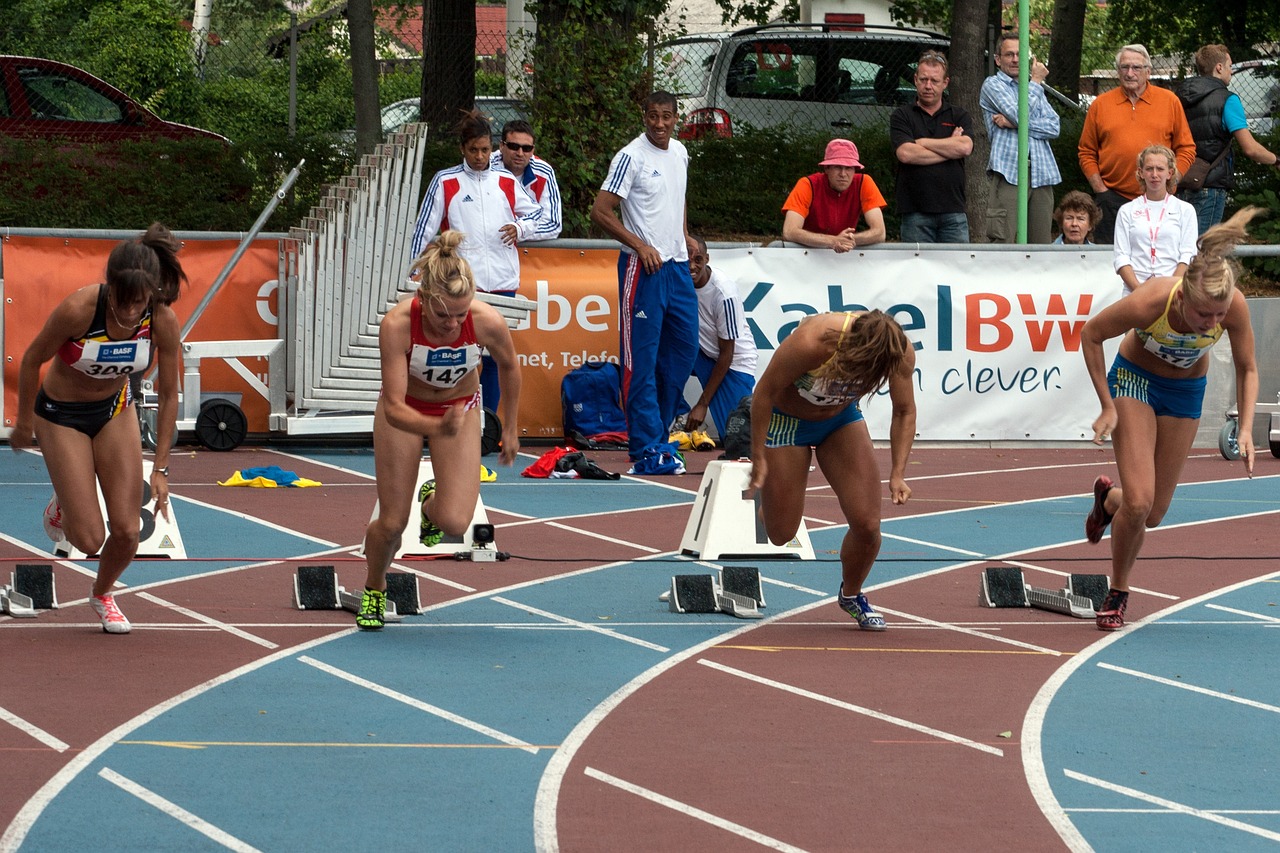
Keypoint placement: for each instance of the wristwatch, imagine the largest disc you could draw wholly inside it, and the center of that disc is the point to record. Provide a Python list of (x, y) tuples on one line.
[(164, 470)]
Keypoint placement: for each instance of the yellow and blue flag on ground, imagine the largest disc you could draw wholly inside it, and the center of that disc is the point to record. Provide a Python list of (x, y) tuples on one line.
[(270, 477)]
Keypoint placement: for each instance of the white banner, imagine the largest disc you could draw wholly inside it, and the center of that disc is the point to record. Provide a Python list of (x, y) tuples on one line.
[(996, 332)]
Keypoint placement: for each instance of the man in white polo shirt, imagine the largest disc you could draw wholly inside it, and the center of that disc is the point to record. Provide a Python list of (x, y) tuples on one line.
[(657, 306)]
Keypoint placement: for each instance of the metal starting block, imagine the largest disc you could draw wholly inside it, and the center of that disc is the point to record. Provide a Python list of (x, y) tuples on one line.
[(1006, 587), (316, 588), (736, 590), (35, 580), (15, 603)]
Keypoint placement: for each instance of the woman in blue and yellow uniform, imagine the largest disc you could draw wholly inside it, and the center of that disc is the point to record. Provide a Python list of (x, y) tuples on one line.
[(806, 403), (1152, 396), (81, 413)]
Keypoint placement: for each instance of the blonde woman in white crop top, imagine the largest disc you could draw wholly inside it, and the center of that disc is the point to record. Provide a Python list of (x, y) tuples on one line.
[(1151, 398)]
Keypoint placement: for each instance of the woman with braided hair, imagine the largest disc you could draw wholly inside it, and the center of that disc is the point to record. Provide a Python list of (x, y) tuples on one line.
[(806, 402), (81, 412), (430, 349), (1152, 396)]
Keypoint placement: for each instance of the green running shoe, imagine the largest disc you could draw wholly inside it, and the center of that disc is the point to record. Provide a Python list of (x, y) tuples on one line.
[(373, 605), (428, 534)]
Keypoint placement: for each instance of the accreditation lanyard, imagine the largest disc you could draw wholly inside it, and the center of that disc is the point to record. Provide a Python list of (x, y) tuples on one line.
[(1154, 232)]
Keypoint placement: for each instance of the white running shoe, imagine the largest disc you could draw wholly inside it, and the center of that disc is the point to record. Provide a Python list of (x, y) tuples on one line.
[(53, 519), (113, 621)]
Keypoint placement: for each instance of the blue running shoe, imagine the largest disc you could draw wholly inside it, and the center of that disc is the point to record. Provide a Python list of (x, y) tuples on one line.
[(859, 608)]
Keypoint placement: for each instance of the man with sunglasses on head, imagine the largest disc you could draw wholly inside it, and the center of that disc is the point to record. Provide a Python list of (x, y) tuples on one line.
[(1119, 125), (515, 154)]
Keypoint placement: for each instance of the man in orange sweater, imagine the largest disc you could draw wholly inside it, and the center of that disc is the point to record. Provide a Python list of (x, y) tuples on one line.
[(1121, 123)]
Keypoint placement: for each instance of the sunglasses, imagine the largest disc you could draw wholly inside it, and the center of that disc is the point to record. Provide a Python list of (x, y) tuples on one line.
[(514, 146)]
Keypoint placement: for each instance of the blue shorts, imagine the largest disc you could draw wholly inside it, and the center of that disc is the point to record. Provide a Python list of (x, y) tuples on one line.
[(789, 431), (1176, 398)]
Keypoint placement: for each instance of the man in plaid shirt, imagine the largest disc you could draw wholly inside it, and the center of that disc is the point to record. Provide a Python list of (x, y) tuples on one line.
[(999, 102)]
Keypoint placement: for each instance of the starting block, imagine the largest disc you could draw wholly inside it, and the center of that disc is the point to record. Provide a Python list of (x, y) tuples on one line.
[(35, 581), (316, 588), (15, 603), (158, 537), (350, 601), (735, 591), (450, 546), (723, 522), (1006, 587)]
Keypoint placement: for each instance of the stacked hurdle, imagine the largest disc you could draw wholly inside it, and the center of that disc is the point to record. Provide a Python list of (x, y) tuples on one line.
[(1006, 587)]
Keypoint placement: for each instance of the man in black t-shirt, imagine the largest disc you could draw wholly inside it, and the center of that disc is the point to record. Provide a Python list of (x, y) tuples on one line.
[(931, 138)]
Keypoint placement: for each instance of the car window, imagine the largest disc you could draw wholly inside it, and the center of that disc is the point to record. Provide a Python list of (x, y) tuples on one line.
[(879, 72), (397, 115), (54, 96), (1258, 89), (684, 68), (777, 69)]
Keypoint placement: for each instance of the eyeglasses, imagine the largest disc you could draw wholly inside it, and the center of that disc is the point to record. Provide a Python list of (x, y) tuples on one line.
[(933, 56), (515, 146), (1134, 68), (1010, 54)]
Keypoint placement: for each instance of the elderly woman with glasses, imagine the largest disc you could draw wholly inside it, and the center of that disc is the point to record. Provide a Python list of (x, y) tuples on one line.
[(495, 211), (1121, 123)]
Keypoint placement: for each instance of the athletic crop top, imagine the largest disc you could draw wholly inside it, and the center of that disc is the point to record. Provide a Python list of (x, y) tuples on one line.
[(824, 391), (441, 366), (97, 354), (1176, 348)]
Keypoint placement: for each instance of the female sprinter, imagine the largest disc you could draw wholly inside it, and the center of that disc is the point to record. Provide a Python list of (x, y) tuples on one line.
[(1151, 399), (430, 347), (81, 413), (808, 398)]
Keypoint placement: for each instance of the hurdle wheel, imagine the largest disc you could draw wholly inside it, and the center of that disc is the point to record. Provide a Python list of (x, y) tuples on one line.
[(490, 433), (1228, 444), (220, 425)]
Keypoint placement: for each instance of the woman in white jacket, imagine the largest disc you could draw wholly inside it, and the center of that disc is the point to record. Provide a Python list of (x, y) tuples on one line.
[(492, 208)]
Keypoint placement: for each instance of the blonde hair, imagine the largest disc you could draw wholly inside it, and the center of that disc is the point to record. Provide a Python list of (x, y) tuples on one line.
[(866, 354), (442, 271), (1170, 185), (1211, 275)]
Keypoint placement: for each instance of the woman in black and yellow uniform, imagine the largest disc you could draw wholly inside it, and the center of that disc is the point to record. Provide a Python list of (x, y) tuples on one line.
[(81, 413), (1152, 397), (807, 401)]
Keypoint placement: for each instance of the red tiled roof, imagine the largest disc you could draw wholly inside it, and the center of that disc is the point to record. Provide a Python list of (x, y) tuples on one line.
[(405, 26)]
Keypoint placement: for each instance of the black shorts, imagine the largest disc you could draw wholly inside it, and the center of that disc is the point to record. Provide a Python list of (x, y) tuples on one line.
[(88, 418)]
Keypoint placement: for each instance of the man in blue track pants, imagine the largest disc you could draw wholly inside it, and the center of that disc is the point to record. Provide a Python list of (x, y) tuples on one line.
[(657, 305)]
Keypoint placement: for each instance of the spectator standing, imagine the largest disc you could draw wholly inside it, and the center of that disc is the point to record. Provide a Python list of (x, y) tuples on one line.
[(1077, 215), (493, 210), (1215, 116), (931, 138), (515, 154), (824, 208), (1121, 123), (999, 102), (1155, 234), (726, 360), (657, 307)]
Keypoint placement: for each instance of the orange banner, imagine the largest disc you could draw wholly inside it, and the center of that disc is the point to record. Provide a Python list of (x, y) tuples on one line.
[(39, 272)]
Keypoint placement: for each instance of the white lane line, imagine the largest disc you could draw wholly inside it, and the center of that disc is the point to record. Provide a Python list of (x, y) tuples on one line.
[(7, 716), (200, 617), (586, 626), (253, 519), (1203, 691), (951, 549), (857, 709), (686, 809), (1173, 806), (794, 586), (481, 728), (970, 632), (1249, 613), (604, 538), (177, 812), (433, 578)]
